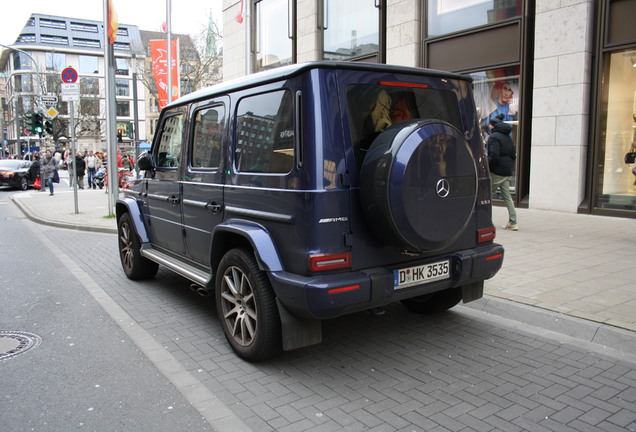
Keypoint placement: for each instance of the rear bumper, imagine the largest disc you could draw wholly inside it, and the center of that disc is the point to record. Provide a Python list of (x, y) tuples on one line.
[(330, 296)]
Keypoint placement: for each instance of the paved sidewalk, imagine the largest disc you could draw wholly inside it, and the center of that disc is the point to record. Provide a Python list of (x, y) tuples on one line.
[(570, 266)]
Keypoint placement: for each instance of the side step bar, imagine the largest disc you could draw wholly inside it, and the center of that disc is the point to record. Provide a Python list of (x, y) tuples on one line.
[(184, 269)]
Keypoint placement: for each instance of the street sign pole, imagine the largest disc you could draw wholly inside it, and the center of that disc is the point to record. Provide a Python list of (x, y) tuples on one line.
[(72, 111), (70, 94)]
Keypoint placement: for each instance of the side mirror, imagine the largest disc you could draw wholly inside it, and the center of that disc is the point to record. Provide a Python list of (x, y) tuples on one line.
[(145, 163)]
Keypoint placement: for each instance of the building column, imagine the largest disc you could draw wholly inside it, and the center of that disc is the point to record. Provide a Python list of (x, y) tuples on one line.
[(404, 32), (560, 113)]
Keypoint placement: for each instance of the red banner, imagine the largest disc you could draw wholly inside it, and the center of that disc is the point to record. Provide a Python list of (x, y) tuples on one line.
[(113, 23), (160, 69)]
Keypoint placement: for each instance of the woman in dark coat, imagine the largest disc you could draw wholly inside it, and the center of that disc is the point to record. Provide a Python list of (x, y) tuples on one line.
[(501, 161), (81, 169)]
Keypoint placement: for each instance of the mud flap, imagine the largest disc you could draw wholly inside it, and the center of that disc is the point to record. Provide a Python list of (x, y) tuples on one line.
[(473, 291), (298, 332)]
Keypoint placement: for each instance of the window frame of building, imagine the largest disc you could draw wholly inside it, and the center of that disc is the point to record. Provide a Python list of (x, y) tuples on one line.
[(55, 61), (265, 34), (122, 107), (614, 126), (452, 18), (21, 61), (122, 87), (122, 66), (86, 63), (328, 9), (89, 86), (89, 107)]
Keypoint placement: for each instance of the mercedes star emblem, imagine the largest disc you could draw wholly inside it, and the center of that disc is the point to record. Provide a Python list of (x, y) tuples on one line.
[(442, 188)]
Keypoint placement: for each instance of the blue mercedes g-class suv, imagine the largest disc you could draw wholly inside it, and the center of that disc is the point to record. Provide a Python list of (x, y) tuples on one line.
[(315, 190)]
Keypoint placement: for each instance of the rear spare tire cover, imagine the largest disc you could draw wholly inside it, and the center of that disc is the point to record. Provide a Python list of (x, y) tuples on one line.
[(418, 185)]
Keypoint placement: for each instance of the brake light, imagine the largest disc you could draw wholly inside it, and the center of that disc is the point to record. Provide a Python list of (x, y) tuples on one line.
[(7, 173), (486, 235), (326, 262), (402, 84)]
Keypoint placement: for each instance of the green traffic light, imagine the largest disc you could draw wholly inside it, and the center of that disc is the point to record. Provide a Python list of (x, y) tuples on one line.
[(36, 121)]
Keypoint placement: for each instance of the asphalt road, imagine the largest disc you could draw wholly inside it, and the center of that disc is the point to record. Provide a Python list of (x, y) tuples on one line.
[(151, 356)]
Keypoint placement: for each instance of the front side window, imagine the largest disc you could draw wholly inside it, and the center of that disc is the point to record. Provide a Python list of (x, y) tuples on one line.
[(169, 149), (350, 29), (373, 108), (616, 188), (448, 16), (273, 33), (208, 135), (265, 134)]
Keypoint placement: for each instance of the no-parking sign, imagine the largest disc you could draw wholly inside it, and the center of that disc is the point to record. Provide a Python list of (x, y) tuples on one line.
[(69, 75)]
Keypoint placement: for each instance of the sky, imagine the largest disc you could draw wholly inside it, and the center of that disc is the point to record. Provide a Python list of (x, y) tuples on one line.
[(188, 16)]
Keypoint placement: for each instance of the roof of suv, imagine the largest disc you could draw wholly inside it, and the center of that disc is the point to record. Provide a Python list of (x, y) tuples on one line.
[(289, 71)]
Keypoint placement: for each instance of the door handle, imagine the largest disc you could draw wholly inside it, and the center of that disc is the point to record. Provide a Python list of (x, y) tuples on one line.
[(213, 207)]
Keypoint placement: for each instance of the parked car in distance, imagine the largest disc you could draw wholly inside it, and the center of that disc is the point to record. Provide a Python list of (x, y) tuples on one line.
[(316, 190), (15, 173)]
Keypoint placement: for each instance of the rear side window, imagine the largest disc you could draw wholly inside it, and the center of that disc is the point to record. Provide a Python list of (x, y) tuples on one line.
[(373, 108), (265, 133), (208, 134), (169, 149)]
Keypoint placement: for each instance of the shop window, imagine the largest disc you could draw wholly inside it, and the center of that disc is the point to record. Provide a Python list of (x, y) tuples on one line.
[(351, 29), (274, 34), (208, 134), (266, 135), (617, 168), (449, 16), (496, 93)]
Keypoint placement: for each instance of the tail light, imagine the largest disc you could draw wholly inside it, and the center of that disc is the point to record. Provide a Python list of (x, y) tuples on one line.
[(486, 235), (327, 262)]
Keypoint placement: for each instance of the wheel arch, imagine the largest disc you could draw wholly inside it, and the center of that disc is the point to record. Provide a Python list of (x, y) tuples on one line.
[(131, 206), (249, 235)]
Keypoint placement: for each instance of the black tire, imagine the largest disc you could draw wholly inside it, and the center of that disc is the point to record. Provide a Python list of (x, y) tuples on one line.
[(418, 185), (24, 183), (435, 302), (135, 266), (247, 309)]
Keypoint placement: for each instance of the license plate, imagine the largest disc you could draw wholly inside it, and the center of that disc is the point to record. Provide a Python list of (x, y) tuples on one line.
[(419, 275)]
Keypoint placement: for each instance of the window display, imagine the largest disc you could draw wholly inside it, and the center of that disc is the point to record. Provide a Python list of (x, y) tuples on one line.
[(496, 93), (617, 168)]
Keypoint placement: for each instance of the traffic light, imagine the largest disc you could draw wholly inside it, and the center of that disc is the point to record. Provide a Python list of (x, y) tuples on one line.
[(36, 122), (120, 136), (48, 127), (29, 122)]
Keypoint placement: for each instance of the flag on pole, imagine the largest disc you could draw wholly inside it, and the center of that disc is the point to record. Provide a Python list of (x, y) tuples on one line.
[(239, 17), (113, 24)]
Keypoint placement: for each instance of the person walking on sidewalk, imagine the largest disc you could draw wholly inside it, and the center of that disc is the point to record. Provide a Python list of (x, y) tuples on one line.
[(501, 160), (49, 167), (80, 166)]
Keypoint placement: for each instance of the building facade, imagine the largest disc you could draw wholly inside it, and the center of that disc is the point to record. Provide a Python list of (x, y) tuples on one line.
[(32, 68), (563, 74)]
